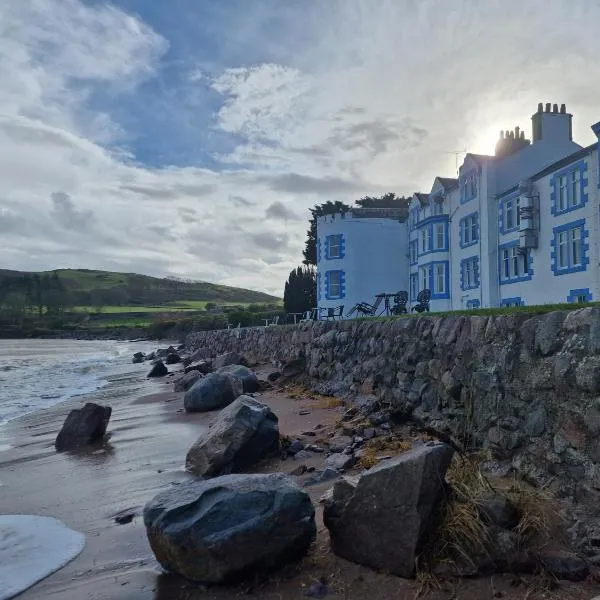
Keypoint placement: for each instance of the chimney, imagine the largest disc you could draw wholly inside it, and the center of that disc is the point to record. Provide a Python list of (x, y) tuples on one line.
[(552, 125), (510, 141)]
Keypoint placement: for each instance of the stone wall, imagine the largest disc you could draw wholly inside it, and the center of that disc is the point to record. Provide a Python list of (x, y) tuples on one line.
[(526, 388)]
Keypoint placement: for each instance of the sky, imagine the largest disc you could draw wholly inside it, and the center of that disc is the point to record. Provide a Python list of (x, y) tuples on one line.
[(189, 138)]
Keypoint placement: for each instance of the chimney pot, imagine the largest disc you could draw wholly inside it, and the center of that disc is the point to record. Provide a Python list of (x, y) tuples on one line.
[(522, 135), (555, 108), (517, 128), (548, 106), (563, 109), (540, 107), (502, 135)]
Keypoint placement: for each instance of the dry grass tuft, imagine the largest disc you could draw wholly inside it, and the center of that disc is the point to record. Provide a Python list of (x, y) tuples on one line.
[(319, 401), (376, 448)]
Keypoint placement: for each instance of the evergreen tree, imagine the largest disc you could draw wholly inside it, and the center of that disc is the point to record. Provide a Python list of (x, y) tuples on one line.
[(389, 200), (300, 290)]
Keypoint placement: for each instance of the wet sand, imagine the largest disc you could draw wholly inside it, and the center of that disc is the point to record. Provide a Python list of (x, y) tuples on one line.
[(149, 437)]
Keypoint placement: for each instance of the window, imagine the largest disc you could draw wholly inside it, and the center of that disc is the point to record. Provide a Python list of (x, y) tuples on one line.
[(569, 248), (468, 185), (512, 302), (568, 188), (414, 285), (318, 286), (334, 285), (469, 273), (334, 246), (512, 216), (473, 304), (579, 296), (469, 230), (440, 279), (514, 264), (424, 247), (440, 237), (425, 276), (429, 237), (414, 252), (438, 207)]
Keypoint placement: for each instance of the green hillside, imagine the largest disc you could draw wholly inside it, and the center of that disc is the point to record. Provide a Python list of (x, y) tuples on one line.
[(93, 288)]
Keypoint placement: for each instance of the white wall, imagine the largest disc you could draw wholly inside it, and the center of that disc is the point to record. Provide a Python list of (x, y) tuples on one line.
[(376, 257)]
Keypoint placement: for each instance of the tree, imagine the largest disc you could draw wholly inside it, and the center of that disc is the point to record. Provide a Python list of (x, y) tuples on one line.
[(389, 200), (329, 208), (300, 290)]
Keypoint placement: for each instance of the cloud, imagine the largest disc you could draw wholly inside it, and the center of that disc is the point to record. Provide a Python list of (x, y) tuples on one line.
[(152, 143), (279, 211)]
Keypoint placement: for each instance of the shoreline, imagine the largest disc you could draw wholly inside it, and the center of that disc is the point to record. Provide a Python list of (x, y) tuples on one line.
[(144, 453)]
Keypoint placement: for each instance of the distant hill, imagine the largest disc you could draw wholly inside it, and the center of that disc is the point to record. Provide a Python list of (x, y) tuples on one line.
[(89, 287)]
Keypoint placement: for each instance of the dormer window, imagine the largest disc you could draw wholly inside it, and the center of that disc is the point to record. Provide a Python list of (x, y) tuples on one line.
[(468, 186), (438, 208)]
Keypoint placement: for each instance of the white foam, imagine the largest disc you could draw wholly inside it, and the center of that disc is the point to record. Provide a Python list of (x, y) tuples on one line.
[(31, 548)]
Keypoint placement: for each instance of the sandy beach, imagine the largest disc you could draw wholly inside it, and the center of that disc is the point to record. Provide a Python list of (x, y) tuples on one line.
[(149, 437)]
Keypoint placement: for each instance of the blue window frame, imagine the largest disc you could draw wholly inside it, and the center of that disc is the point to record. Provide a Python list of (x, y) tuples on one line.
[(514, 264), (509, 217), (469, 273), (435, 276), (570, 248), (468, 186), (516, 301), (414, 286), (469, 230), (318, 282), (567, 188), (335, 285), (335, 246), (473, 303), (579, 295), (318, 250), (414, 251), (433, 235)]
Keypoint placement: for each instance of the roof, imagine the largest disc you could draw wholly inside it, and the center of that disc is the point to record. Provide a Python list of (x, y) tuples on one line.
[(563, 162), (422, 198), (448, 183)]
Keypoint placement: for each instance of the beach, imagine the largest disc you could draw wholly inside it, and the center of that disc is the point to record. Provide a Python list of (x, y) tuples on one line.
[(149, 435)]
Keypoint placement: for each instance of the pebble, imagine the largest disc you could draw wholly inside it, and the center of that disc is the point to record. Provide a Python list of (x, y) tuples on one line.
[(304, 412), (295, 447), (314, 448), (299, 470), (316, 590), (302, 455)]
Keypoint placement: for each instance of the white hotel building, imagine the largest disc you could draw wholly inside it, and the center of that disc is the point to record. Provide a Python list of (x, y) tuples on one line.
[(521, 227)]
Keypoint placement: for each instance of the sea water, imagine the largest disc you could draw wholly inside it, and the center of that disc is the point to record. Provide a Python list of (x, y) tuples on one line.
[(37, 374)]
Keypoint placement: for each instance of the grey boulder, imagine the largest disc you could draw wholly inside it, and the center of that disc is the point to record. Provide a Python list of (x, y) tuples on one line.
[(138, 357), (229, 358), (214, 391), (248, 377), (217, 530), (245, 432), (203, 366), (382, 518), (83, 426), (186, 381), (158, 369)]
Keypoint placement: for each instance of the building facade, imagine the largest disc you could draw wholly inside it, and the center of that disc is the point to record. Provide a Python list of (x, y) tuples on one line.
[(519, 227)]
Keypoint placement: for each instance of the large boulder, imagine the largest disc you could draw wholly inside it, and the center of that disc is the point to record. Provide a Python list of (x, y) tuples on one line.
[(382, 518), (186, 381), (203, 366), (214, 391), (245, 432), (247, 376), (229, 358), (172, 358), (219, 529), (83, 426), (158, 369), (138, 357)]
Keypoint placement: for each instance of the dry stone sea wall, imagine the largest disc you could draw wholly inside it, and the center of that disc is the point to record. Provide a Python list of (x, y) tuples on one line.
[(526, 388)]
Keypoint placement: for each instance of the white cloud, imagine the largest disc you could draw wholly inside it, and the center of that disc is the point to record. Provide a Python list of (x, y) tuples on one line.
[(368, 102)]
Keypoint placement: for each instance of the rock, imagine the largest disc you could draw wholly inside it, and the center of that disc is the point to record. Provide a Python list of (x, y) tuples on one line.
[(368, 433), (217, 530), (326, 474), (339, 462), (229, 358), (295, 447), (273, 376), (245, 432), (172, 358), (186, 381), (299, 470), (83, 426), (496, 509), (201, 366), (201, 354), (294, 367), (304, 412), (339, 443), (315, 448), (564, 565), (138, 357), (317, 589), (245, 375), (303, 455), (151, 356), (125, 517), (158, 370), (214, 391), (381, 519)]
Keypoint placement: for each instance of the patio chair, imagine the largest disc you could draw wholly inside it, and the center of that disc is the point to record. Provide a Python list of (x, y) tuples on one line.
[(400, 301), (333, 313), (365, 309), (423, 298)]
